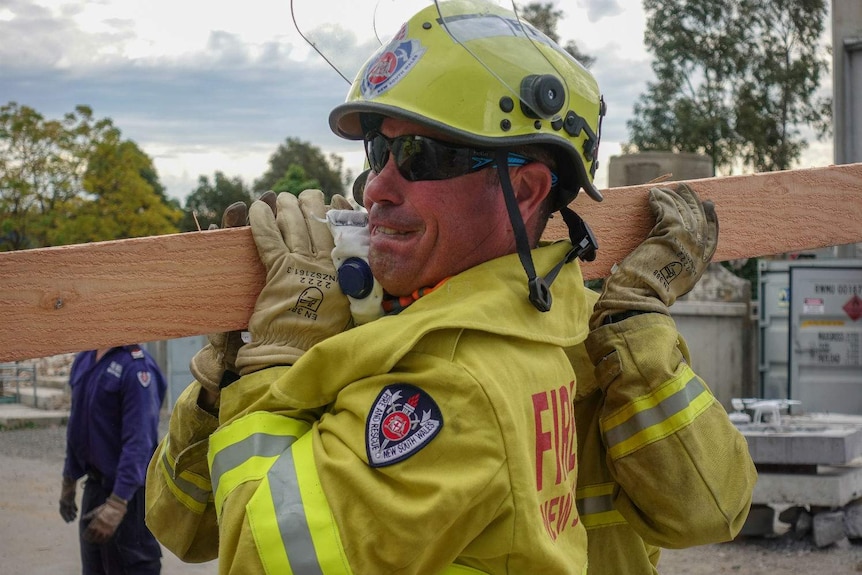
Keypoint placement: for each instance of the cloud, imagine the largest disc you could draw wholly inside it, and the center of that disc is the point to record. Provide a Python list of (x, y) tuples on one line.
[(232, 99), (224, 106), (202, 87), (35, 36), (598, 9)]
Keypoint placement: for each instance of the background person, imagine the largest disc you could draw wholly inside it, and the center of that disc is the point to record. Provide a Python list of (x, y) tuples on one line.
[(117, 394)]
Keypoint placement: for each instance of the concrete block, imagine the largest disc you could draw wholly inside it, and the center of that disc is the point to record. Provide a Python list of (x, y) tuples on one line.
[(828, 528), (853, 519), (760, 521), (831, 487), (807, 443)]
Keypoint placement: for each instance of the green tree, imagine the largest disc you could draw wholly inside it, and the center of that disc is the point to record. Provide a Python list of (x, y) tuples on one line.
[(546, 18), (119, 202), (294, 181), (782, 81), (41, 166), (328, 171), (698, 48), (210, 199), (52, 171), (733, 78)]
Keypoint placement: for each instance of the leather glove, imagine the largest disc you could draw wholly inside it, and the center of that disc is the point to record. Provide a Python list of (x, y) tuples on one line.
[(351, 236), (68, 508), (218, 356), (105, 519), (300, 304), (667, 264)]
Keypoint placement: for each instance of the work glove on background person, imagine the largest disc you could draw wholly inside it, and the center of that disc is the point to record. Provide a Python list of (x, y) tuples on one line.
[(68, 508), (104, 519), (301, 303), (667, 264)]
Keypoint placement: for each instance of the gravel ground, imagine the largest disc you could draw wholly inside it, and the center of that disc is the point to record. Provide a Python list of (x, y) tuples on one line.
[(35, 541)]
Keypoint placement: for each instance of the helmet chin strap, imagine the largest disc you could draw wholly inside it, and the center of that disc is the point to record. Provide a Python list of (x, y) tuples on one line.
[(584, 244)]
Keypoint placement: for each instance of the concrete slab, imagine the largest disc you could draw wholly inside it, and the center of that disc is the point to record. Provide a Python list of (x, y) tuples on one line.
[(815, 438), (830, 487), (15, 415), (49, 398), (810, 443)]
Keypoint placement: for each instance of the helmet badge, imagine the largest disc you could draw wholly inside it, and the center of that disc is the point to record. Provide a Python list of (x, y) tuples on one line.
[(391, 64)]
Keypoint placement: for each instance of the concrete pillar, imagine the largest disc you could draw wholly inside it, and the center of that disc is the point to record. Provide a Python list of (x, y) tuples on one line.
[(847, 92)]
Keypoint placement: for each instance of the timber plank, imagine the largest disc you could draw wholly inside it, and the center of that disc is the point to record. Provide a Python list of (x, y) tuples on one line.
[(71, 298)]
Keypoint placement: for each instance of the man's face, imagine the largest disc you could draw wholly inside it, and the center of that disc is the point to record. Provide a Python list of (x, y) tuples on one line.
[(425, 231)]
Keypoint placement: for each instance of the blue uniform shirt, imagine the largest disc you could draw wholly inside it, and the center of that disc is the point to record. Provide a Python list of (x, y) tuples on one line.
[(113, 424)]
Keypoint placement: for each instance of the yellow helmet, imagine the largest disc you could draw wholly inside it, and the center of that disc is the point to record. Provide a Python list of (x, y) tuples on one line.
[(473, 71)]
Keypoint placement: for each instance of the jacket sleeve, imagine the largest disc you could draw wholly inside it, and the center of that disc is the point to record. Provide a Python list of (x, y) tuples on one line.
[(179, 503), (181, 510), (684, 472), (72, 468), (141, 399)]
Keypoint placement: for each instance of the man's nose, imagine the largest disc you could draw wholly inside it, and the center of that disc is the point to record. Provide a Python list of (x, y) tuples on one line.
[(384, 187)]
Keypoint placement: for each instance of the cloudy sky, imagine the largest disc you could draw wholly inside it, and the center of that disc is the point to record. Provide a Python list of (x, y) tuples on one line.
[(202, 86)]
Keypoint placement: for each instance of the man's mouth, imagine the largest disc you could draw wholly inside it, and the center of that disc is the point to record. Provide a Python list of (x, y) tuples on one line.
[(388, 231)]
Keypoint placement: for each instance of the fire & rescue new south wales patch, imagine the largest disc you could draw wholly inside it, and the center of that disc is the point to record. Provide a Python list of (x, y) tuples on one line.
[(403, 420)]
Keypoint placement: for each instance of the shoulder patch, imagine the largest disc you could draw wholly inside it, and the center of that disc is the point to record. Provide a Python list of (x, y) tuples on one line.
[(145, 378), (137, 353), (403, 420)]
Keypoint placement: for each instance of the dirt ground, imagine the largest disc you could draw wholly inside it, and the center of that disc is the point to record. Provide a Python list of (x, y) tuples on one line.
[(35, 541)]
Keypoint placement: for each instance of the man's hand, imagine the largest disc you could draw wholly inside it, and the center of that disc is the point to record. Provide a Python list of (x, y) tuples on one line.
[(668, 263), (301, 303), (68, 508), (209, 365), (104, 520)]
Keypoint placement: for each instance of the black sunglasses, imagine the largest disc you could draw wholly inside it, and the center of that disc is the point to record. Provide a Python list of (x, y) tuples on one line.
[(422, 158)]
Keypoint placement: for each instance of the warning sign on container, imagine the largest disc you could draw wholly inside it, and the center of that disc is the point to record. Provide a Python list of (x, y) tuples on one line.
[(812, 305), (853, 307)]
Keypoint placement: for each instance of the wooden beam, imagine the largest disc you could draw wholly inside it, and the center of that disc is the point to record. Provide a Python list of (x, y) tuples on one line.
[(64, 299)]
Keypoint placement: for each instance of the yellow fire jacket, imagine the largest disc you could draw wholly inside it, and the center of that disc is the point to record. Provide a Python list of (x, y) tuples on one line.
[(661, 465), (440, 440)]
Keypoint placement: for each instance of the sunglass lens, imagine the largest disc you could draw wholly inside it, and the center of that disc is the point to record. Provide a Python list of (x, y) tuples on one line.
[(416, 158), (377, 151)]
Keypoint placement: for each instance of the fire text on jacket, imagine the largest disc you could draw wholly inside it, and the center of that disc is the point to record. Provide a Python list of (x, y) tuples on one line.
[(556, 452)]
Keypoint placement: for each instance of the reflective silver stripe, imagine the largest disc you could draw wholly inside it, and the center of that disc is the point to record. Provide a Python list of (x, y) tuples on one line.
[(202, 496), (595, 504), (290, 516), (656, 414), (255, 445)]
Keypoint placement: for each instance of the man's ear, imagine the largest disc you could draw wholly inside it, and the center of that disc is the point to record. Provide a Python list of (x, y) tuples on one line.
[(532, 184)]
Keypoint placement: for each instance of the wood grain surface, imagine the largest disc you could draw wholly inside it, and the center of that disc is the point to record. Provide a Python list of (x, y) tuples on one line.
[(71, 298)]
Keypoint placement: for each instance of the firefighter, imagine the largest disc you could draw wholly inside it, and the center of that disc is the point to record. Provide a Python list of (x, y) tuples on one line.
[(440, 437)]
